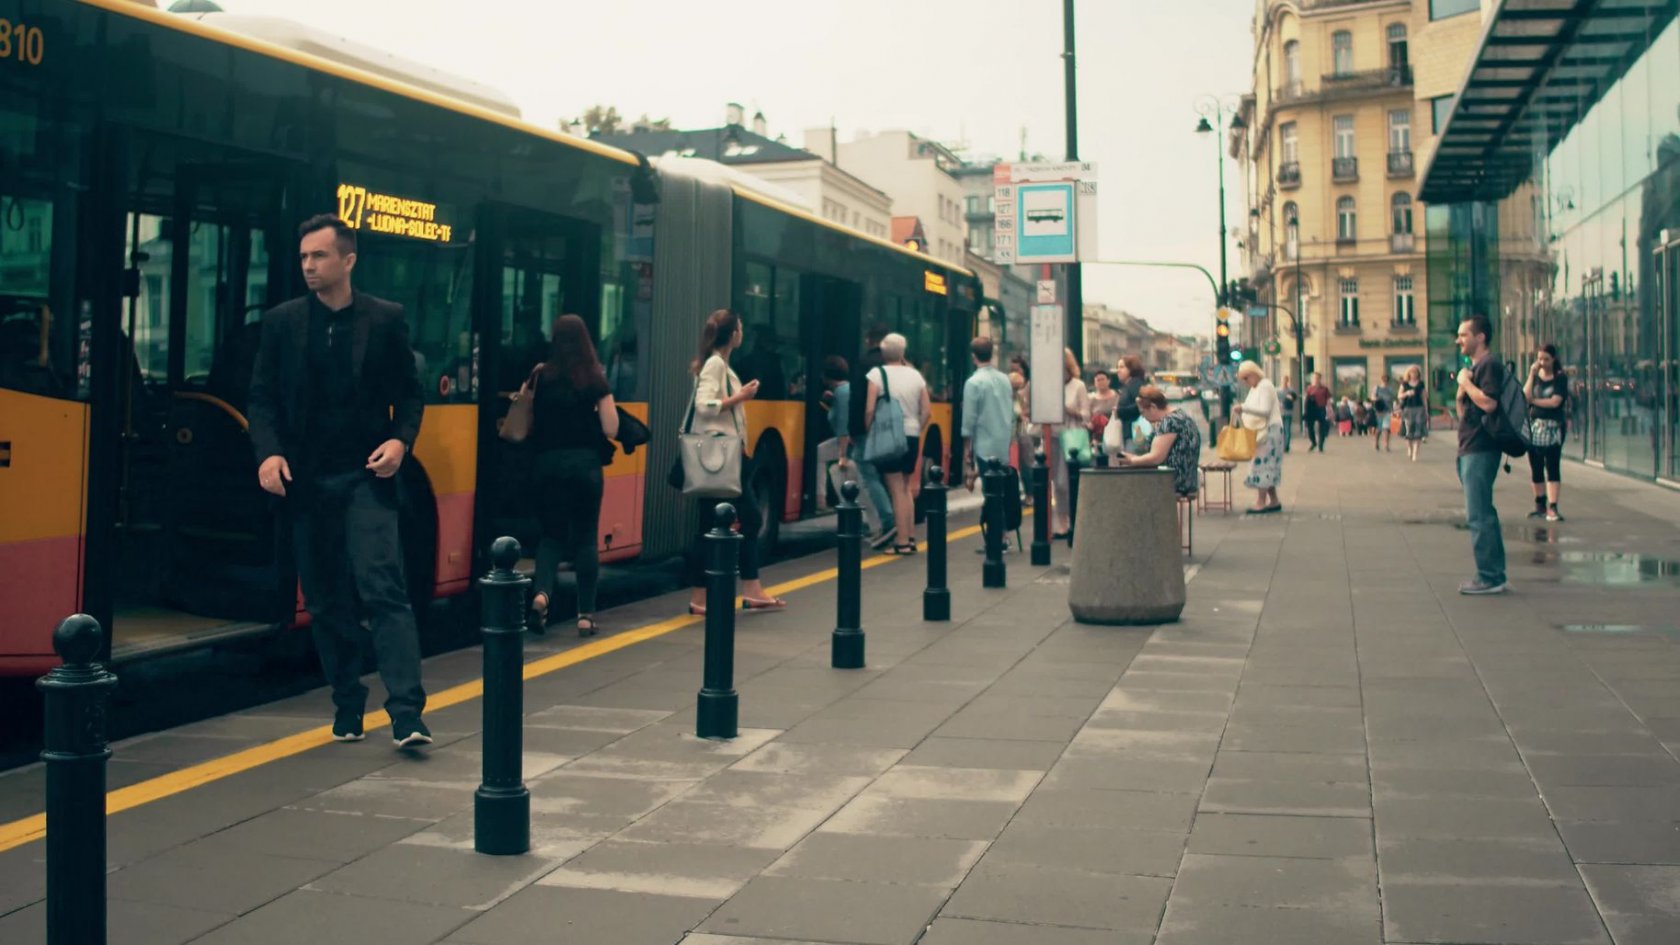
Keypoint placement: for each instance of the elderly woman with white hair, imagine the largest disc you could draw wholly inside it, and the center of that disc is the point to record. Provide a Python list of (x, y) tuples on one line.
[(896, 378), (1262, 412)]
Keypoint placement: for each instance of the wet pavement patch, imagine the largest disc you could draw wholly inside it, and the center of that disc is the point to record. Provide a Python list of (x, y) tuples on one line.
[(1616, 568), (1620, 629)]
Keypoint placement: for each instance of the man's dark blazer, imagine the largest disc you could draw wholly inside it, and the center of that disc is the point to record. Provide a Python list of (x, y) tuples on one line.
[(388, 385)]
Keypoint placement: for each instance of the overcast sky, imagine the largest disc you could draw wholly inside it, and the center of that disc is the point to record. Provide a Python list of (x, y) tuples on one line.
[(967, 72)]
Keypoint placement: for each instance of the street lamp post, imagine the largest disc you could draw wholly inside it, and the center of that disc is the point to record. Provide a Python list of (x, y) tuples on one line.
[(1218, 110)]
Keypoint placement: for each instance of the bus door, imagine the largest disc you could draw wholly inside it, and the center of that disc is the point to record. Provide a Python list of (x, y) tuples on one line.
[(206, 251), (831, 326), (540, 267)]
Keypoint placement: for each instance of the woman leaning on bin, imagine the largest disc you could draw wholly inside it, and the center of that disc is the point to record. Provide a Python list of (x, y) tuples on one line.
[(1176, 442), (572, 413), (719, 407)]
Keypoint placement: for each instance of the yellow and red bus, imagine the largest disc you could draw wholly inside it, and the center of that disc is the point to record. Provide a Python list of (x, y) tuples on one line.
[(153, 168)]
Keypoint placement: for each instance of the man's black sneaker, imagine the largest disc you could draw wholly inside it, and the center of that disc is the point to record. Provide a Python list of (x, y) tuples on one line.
[(408, 733), (347, 726)]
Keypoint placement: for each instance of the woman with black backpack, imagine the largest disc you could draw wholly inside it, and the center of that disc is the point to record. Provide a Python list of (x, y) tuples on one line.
[(1547, 390)]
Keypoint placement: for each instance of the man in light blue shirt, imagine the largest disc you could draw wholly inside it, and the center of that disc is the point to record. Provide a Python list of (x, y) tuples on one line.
[(988, 406)]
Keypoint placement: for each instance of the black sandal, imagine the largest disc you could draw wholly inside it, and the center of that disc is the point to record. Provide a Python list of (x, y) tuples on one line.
[(909, 549), (537, 620), (586, 631)]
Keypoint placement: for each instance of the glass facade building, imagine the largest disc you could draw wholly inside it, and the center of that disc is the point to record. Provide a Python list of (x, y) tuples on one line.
[(1555, 210)]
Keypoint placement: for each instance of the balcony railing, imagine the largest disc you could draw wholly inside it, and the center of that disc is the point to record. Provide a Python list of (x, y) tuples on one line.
[(1344, 169), (1401, 242), (1289, 175), (1403, 326), (1335, 85), (1346, 327), (1400, 164)]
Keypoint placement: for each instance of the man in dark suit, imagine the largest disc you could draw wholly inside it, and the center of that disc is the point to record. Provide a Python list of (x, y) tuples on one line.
[(335, 407)]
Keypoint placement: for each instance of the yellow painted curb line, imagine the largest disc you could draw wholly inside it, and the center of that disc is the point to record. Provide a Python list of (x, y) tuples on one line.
[(32, 828)]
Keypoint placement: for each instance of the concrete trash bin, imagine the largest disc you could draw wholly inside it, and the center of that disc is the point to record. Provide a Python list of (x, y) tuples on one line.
[(1127, 564)]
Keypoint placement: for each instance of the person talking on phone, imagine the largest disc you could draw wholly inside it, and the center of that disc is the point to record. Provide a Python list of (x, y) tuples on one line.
[(720, 407)]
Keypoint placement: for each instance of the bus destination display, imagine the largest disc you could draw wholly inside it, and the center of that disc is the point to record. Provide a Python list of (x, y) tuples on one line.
[(367, 210), (27, 44)]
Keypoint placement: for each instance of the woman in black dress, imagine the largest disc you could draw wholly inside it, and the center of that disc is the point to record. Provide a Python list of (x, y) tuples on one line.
[(1547, 389), (572, 418)]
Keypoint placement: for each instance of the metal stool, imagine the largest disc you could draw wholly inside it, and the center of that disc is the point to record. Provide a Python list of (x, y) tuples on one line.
[(1187, 521), (1205, 497)]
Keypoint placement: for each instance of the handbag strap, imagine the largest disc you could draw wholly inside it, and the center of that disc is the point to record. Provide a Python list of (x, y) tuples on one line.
[(694, 395), (886, 389)]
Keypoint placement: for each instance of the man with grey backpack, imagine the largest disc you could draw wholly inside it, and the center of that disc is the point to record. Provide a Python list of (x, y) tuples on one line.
[(1492, 419)]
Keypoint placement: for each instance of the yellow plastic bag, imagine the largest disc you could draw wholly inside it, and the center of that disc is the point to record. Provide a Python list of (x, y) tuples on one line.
[(1236, 444)]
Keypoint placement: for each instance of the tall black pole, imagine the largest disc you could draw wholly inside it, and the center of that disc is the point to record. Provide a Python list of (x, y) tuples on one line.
[(846, 642), (502, 803), (1075, 275), (718, 703), (1224, 275), (75, 755), (1300, 321)]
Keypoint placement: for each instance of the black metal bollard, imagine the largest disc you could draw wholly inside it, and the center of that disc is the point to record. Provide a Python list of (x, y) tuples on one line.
[(1041, 511), (1073, 495), (846, 643), (502, 803), (993, 482), (719, 705), (1100, 456), (75, 754), (936, 598)]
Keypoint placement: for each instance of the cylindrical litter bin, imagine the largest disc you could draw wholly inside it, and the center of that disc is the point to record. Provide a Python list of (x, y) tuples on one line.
[(1127, 564)]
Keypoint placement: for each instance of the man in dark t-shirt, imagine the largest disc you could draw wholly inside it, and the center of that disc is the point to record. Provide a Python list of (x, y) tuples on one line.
[(1317, 413), (1478, 454)]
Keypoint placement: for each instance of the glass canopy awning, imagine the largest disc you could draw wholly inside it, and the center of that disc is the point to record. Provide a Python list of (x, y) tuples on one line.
[(1541, 67)]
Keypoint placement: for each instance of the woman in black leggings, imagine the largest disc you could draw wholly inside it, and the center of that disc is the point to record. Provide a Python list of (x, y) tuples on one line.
[(1547, 389), (571, 419)]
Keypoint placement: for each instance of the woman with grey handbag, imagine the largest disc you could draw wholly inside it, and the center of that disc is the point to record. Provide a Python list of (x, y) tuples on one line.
[(896, 382), (718, 409)]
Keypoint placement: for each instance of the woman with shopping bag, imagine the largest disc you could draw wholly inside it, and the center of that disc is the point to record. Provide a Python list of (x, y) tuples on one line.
[(1261, 415), (718, 412)]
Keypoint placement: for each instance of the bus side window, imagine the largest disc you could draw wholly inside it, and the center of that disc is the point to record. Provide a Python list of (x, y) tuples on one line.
[(36, 342)]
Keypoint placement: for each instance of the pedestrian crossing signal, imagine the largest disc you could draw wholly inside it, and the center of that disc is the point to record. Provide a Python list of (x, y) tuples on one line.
[(1236, 355)]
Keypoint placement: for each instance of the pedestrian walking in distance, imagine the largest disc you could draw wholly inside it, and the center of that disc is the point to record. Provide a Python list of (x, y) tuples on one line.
[(987, 416), (1262, 412), (1382, 402), (896, 378), (1479, 455), (720, 407), (1547, 390), (335, 407), (876, 503), (573, 420), (1414, 411), (1317, 413), (1290, 398)]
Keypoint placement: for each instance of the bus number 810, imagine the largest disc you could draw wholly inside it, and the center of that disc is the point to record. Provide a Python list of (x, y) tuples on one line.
[(24, 43)]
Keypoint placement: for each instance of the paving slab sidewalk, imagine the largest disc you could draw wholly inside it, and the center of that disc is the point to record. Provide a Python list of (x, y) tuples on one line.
[(1332, 747)]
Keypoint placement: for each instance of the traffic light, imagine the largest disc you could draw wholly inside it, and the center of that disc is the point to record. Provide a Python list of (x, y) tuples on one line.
[(1222, 333), (1236, 355)]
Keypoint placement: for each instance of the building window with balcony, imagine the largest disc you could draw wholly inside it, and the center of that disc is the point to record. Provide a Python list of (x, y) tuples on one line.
[(1291, 69), (1400, 142), (1347, 221), (1350, 303), (1344, 166), (1291, 231), (1404, 313), (1341, 53), (1399, 55)]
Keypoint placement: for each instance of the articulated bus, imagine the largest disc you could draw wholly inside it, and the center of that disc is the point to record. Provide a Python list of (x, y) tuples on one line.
[(153, 168)]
